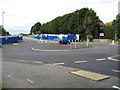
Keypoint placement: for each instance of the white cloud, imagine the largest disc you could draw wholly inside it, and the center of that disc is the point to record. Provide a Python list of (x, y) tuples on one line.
[(20, 15)]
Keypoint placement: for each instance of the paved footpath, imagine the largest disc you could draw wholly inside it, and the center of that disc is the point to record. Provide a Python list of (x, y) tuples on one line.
[(29, 75)]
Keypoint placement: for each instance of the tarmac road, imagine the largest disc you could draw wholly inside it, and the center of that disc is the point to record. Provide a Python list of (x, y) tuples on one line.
[(92, 59), (23, 67)]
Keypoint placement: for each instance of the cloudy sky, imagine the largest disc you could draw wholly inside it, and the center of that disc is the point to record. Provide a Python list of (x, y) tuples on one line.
[(20, 15)]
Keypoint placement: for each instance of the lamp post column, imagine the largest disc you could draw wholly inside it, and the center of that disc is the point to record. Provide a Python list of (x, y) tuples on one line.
[(3, 19)]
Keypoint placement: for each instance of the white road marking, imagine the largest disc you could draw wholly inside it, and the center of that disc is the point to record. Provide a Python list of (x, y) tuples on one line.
[(38, 62), (22, 60), (58, 63), (116, 87), (80, 61), (110, 58), (30, 81), (102, 59), (116, 71), (9, 76)]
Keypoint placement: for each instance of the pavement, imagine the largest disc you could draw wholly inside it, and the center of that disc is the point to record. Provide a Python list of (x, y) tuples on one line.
[(26, 75)]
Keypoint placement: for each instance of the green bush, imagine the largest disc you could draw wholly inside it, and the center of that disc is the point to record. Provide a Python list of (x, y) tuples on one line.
[(90, 37)]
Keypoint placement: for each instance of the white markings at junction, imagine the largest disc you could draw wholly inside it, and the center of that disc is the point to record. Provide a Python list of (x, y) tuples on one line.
[(101, 59), (38, 62), (116, 87), (110, 58), (116, 71), (58, 63), (80, 61), (30, 81)]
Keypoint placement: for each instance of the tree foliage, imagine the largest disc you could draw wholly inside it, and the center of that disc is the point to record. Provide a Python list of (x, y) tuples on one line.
[(3, 32), (83, 22), (113, 28), (36, 28)]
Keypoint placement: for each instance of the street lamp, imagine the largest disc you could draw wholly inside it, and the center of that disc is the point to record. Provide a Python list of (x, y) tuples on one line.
[(3, 19), (2, 32)]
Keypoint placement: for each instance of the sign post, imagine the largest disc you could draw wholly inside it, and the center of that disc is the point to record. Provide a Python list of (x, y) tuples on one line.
[(75, 42), (87, 41)]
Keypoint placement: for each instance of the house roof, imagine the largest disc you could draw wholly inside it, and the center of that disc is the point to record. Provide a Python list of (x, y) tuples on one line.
[(101, 23)]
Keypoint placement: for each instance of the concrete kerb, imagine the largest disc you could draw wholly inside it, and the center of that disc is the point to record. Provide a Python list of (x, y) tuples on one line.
[(47, 50)]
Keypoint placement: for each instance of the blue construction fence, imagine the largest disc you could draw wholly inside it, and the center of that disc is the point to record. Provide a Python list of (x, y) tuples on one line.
[(10, 39), (68, 37)]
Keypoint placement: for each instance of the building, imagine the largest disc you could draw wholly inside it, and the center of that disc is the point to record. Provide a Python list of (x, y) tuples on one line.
[(99, 32)]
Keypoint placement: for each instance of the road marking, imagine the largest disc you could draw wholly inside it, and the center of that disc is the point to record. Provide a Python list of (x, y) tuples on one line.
[(22, 60), (110, 58), (116, 87), (116, 71), (58, 63), (80, 61), (30, 81), (102, 59), (38, 62), (9, 76)]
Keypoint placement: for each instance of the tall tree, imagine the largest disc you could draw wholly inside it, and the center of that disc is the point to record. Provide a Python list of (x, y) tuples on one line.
[(113, 28), (83, 22), (36, 28), (3, 32)]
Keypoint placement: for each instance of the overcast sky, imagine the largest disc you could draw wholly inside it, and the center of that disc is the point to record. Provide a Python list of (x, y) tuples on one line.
[(20, 15)]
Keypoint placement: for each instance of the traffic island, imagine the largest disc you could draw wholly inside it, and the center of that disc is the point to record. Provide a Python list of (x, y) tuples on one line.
[(60, 47)]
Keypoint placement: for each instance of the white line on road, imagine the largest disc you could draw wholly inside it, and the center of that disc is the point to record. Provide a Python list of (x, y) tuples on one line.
[(80, 61), (30, 81), (102, 59), (58, 63), (110, 58), (9, 76), (38, 62), (116, 71), (116, 87), (22, 60)]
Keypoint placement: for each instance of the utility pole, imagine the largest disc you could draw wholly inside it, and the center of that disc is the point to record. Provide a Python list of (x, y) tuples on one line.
[(3, 19), (87, 41), (115, 37), (2, 23)]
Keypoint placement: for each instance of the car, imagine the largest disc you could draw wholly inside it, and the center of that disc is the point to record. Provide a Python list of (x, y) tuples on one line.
[(64, 42)]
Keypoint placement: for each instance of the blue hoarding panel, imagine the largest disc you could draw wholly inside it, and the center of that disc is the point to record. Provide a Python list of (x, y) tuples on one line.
[(52, 37), (72, 37), (7, 40)]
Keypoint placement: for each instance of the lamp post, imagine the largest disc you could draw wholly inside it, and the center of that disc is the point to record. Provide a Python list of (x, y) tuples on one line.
[(3, 19), (2, 32)]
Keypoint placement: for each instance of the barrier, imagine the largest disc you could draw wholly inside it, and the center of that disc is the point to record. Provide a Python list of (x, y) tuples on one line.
[(10, 39)]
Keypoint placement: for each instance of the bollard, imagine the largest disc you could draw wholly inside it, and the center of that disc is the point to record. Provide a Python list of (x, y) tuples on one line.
[(113, 42)]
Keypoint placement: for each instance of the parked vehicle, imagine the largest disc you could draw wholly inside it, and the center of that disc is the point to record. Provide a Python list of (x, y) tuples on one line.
[(64, 42)]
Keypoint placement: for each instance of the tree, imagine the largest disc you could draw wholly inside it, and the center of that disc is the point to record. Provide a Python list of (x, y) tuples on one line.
[(36, 28), (116, 25), (113, 28), (3, 32), (83, 22)]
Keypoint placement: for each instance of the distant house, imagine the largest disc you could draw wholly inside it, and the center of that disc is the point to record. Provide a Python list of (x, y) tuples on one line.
[(99, 32)]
